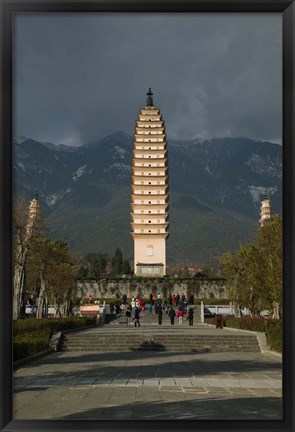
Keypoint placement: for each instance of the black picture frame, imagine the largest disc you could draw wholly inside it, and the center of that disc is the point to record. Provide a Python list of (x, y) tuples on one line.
[(7, 10)]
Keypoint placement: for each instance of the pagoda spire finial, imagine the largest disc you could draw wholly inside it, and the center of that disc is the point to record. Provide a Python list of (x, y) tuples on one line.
[(265, 196), (36, 194), (149, 101)]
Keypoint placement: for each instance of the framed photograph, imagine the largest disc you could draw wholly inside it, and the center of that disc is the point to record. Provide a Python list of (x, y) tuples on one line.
[(175, 119)]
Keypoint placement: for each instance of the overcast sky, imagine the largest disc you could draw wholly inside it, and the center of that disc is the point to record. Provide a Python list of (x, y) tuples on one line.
[(79, 77)]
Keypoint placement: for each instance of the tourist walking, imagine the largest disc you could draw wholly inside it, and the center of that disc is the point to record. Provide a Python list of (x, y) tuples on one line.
[(150, 308), (133, 305), (190, 316), (118, 308), (182, 305), (171, 315), (160, 314), (177, 299), (165, 306), (180, 314), (136, 317), (151, 298), (128, 316), (174, 300), (219, 322), (170, 299), (124, 298)]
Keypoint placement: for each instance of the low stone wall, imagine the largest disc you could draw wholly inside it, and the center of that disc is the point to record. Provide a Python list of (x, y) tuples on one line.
[(112, 288)]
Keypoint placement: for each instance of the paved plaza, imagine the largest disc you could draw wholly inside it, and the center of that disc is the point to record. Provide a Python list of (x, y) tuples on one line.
[(149, 385)]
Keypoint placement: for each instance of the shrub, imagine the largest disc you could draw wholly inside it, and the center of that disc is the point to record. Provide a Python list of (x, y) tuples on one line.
[(31, 335), (213, 301), (30, 343), (32, 325), (274, 334), (210, 321), (271, 327), (247, 323)]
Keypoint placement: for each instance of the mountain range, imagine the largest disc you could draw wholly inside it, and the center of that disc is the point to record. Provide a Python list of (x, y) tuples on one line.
[(215, 190)]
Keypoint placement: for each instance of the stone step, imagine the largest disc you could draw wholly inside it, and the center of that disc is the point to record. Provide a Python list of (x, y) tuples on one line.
[(147, 318), (171, 343), (173, 349), (176, 344), (180, 342), (140, 338), (161, 341)]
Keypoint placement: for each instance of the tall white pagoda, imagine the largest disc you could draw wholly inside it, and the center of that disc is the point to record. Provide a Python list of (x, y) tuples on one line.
[(149, 192)]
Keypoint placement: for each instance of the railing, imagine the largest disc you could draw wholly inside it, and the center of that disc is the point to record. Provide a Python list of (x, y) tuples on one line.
[(206, 310)]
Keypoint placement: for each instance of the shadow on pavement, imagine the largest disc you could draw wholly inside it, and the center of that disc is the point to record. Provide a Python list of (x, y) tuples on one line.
[(248, 408), (160, 364)]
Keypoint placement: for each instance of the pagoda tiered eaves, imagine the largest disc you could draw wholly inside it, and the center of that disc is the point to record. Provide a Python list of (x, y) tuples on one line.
[(149, 191)]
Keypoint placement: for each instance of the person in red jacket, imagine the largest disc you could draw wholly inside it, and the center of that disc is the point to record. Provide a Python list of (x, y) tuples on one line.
[(180, 314), (174, 299)]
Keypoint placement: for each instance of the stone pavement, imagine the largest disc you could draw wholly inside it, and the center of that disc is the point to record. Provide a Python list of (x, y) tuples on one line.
[(149, 385)]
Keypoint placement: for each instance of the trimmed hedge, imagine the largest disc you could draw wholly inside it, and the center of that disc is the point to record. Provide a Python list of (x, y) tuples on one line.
[(28, 344), (29, 325), (271, 327), (214, 301), (247, 323), (274, 334), (32, 335)]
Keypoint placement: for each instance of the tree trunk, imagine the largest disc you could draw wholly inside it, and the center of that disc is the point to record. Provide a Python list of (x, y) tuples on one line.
[(57, 310), (276, 310), (41, 299), (237, 309), (19, 279), (67, 307), (18, 285)]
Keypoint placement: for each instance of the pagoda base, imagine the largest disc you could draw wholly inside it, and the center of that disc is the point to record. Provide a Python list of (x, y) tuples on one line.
[(149, 270)]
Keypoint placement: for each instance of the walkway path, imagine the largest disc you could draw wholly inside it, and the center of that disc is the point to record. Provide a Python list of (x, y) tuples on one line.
[(150, 385)]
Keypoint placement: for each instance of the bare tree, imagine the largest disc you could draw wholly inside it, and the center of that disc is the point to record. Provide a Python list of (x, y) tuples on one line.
[(20, 248), (25, 226), (51, 260)]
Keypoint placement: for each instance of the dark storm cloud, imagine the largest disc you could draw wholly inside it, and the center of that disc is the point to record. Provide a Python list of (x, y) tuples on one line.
[(80, 77)]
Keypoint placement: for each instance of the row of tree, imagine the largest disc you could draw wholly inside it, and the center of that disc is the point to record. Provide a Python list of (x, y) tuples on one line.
[(46, 269), (41, 266), (96, 266), (254, 272)]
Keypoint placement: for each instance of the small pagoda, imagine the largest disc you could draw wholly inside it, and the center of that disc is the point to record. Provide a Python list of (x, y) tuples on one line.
[(34, 215), (265, 210)]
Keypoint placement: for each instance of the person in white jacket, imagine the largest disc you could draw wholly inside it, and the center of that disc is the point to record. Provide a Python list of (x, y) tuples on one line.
[(133, 305)]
